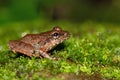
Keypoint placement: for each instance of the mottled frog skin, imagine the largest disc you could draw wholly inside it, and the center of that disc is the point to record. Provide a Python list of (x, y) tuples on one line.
[(39, 44)]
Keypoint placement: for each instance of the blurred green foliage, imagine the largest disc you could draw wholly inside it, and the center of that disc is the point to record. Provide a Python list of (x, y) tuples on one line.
[(77, 10), (23, 9)]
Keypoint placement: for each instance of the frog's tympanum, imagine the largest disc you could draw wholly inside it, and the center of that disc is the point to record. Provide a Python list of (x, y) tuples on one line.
[(39, 44)]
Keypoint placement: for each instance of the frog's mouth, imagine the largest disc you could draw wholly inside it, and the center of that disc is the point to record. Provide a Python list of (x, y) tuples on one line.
[(62, 39), (66, 36)]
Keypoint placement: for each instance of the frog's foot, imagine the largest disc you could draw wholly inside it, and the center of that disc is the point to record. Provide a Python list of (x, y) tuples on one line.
[(46, 55)]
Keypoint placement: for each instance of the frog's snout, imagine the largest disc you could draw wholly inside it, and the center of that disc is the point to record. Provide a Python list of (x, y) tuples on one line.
[(67, 34)]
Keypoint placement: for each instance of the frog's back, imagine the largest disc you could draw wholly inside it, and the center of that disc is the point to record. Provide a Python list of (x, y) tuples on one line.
[(33, 38)]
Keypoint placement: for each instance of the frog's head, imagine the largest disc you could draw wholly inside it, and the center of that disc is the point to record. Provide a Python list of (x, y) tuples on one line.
[(56, 36)]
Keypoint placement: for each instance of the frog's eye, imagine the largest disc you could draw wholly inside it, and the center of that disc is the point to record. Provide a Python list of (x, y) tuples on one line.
[(56, 35)]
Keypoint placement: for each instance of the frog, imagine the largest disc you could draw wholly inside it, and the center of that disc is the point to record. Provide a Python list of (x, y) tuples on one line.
[(39, 45)]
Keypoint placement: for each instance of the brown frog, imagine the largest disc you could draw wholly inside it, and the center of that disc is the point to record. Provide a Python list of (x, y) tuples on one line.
[(39, 44)]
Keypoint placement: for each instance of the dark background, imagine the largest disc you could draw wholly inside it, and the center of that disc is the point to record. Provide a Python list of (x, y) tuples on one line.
[(70, 10)]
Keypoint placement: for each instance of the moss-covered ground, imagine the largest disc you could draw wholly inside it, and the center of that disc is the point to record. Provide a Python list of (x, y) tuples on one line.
[(91, 53)]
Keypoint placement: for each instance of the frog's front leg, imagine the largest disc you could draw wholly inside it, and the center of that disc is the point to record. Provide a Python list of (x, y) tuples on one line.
[(21, 47), (46, 55)]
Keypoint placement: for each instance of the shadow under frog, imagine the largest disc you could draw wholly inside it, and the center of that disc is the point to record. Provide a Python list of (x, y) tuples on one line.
[(39, 45)]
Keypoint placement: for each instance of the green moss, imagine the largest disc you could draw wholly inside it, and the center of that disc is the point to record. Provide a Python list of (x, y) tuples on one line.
[(92, 48)]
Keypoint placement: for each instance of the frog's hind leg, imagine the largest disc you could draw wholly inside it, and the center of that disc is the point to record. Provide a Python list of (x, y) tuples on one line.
[(21, 47)]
